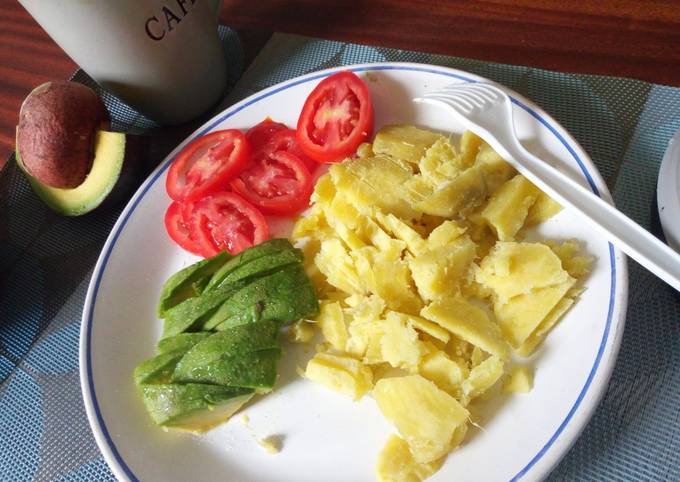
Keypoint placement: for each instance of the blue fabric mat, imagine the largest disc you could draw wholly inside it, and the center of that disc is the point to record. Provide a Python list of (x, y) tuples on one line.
[(46, 260)]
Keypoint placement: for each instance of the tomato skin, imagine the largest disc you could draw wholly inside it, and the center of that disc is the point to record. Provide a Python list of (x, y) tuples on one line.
[(207, 164), (259, 134), (224, 220), (337, 116), (276, 183), (178, 230)]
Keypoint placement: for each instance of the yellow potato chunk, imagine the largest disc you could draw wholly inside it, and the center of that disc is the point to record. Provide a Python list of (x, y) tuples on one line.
[(482, 377), (366, 308), (445, 233), (301, 332), (478, 356), (521, 315), (344, 232), (365, 340), (424, 415), (520, 380), (493, 168), (417, 189), (337, 265), (342, 210), (513, 269), (388, 277), (374, 182), (423, 325), (543, 209), (404, 142), (441, 162), (365, 149), (508, 207), (468, 322), (448, 374), (365, 329), (400, 230), (459, 195), (481, 233), (546, 325), (324, 190), (331, 320), (372, 233), (310, 248), (313, 224), (569, 252), (399, 344), (396, 464), (458, 435), (469, 147), (438, 272), (271, 445), (340, 373)]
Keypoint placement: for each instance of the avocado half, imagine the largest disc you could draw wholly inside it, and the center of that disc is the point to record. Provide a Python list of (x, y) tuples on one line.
[(109, 154)]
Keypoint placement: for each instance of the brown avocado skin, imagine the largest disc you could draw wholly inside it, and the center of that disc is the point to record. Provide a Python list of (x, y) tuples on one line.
[(57, 125)]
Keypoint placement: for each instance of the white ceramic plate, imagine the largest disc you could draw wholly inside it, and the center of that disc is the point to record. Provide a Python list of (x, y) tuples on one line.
[(326, 437), (668, 193)]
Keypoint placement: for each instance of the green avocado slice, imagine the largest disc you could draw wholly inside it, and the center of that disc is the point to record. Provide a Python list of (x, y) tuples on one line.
[(236, 341), (106, 169), (192, 406), (158, 369), (244, 356), (284, 296), (181, 341), (189, 281), (238, 262), (190, 312), (256, 369), (260, 267)]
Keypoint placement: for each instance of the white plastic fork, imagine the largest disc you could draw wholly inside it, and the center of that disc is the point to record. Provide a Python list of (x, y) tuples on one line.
[(487, 111)]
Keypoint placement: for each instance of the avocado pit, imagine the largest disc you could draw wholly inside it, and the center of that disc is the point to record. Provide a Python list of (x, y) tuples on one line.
[(56, 132)]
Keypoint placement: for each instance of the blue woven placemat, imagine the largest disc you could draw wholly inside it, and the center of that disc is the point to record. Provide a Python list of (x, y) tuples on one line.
[(45, 262)]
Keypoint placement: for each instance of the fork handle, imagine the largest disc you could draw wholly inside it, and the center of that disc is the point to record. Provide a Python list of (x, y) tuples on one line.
[(622, 231)]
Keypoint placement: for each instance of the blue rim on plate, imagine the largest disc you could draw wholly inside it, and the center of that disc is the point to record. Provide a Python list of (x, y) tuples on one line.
[(88, 387)]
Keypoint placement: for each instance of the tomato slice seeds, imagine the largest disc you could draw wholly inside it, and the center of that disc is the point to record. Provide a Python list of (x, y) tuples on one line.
[(336, 117), (277, 183), (224, 220), (179, 231), (207, 164)]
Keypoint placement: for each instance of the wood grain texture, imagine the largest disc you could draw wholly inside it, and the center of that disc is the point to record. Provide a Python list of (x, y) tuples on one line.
[(636, 39)]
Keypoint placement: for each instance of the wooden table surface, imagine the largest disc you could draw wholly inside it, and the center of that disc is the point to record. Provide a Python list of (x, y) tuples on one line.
[(632, 38)]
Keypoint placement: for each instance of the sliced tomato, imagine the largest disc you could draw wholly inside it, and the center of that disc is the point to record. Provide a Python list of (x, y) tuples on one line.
[(286, 140), (259, 134), (224, 220), (207, 165), (336, 117), (178, 229), (277, 183)]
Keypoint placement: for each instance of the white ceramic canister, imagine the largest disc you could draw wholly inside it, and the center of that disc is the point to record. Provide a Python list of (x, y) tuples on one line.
[(162, 57)]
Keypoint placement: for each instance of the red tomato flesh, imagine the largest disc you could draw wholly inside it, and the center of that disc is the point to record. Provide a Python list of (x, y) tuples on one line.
[(336, 117), (277, 183), (224, 220), (286, 140), (259, 134), (178, 229), (207, 165)]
